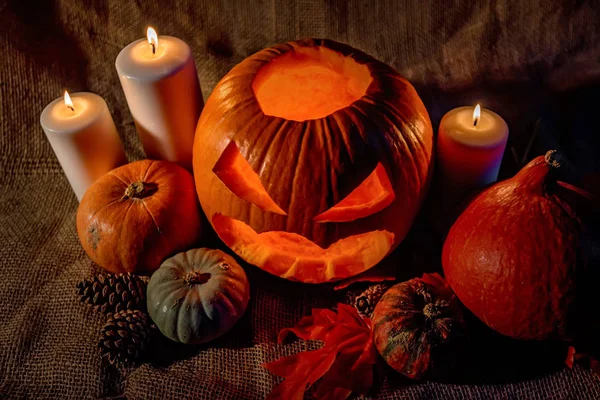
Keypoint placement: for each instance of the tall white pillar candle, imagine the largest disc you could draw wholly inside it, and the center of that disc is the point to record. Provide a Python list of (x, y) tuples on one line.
[(83, 136), (161, 85), (470, 146)]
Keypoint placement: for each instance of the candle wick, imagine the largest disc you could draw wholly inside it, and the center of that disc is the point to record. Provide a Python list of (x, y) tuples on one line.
[(153, 47), (71, 108), (475, 121)]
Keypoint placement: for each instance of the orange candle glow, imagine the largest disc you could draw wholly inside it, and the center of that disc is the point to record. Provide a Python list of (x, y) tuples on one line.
[(470, 146), (160, 82), (84, 138)]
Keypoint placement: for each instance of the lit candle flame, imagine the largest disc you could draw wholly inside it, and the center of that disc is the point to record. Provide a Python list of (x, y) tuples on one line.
[(152, 38), (476, 114), (68, 101)]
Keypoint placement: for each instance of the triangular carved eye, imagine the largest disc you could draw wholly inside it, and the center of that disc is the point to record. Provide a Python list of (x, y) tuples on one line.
[(239, 177), (373, 195)]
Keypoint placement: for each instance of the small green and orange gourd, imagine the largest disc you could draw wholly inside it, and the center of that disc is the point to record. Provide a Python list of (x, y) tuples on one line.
[(413, 320), (198, 295)]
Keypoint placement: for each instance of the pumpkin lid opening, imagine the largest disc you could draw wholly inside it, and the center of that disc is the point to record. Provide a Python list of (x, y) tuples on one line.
[(309, 83)]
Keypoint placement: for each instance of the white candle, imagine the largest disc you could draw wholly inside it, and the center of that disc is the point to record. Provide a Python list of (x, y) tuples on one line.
[(470, 146), (83, 136), (161, 85)]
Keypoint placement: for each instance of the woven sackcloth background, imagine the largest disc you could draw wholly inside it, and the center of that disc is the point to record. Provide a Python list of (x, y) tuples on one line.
[(517, 57)]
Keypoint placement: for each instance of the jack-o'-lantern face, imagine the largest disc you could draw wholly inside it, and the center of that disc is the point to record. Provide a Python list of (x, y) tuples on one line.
[(311, 160)]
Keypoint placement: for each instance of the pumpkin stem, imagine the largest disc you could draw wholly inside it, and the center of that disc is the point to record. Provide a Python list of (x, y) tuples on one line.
[(540, 175), (434, 310), (196, 278), (554, 158), (139, 190)]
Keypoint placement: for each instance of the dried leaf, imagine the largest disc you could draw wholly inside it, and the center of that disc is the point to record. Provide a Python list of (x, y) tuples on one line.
[(353, 368), (585, 359), (314, 327), (582, 192), (439, 284), (437, 281), (345, 362), (300, 371), (348, 315), (570, 359)]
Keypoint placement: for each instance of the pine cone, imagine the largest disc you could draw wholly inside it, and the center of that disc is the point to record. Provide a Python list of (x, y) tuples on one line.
[(366, 301), (125, 336), (110, 293)]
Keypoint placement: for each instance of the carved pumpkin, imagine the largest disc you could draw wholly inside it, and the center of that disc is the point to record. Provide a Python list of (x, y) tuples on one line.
[(311, 160), (137, 215), (198, 295)]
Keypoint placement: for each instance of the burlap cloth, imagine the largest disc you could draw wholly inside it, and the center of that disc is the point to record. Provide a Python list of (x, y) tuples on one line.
[(511, 56)]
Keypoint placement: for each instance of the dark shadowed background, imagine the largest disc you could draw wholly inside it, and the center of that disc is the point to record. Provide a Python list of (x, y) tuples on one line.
[(536, 63)]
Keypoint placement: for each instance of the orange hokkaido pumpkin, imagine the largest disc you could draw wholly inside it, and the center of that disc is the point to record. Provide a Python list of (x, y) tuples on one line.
[(311, 160), (137, 215)]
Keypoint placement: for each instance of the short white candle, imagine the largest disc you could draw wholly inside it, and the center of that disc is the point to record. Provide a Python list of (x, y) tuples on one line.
[(470, 146), (83, 136), (161, 85)]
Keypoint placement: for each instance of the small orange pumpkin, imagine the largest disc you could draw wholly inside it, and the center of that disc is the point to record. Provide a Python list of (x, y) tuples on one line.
[(137, 215), (312, 159)]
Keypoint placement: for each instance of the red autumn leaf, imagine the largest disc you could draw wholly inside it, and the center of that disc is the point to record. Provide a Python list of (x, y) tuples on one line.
[(347, 315), (345, 362), (582, 192), (437, 281), (573, 357), (352, 370), (300, 371), (314, 327), (570, 359)]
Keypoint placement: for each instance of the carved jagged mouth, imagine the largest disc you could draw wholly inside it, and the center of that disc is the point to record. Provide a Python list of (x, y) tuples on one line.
[(294, 257)]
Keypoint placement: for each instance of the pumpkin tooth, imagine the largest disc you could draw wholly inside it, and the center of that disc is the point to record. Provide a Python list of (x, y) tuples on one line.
[(295, 257)]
